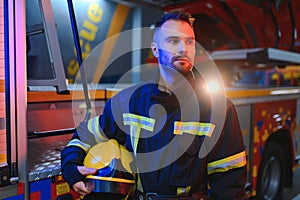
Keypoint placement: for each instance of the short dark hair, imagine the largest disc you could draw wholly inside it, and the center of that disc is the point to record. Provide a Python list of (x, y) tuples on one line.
[(176, 15)]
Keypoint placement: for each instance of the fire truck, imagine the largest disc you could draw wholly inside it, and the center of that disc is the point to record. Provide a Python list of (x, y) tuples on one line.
[(43, 44)]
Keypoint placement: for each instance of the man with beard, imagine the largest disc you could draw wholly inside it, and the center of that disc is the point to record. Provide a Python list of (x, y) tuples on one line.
[(179, 152)]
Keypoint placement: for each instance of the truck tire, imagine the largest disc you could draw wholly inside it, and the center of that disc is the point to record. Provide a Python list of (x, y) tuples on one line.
[(271, 173)]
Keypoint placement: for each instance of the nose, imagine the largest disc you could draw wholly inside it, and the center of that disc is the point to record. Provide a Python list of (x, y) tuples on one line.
[(182, 47)]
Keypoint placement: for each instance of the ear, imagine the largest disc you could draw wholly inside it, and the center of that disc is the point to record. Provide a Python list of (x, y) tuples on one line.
[(154, 48)]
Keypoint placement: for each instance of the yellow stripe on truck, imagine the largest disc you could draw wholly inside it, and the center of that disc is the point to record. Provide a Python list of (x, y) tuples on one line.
[(116, 25)]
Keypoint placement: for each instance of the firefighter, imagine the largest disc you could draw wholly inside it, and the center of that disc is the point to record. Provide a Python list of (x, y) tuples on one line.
[(181, 147)]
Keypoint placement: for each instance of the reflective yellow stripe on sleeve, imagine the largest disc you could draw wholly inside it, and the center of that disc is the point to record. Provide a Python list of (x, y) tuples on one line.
[(181, 191), (93, 126), (223, 165), (194, 128), (80, 144)]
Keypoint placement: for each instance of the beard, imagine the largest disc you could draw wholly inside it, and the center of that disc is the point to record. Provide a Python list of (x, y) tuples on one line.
[(181, 64)]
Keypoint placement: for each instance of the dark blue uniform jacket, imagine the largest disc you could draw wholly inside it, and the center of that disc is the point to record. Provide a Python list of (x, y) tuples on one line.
[(184, 142)]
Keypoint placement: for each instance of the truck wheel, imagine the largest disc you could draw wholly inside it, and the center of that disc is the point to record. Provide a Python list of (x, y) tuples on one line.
[(271, 173)]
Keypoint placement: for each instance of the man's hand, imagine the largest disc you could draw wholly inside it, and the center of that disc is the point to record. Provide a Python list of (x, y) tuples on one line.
[(80, 186)]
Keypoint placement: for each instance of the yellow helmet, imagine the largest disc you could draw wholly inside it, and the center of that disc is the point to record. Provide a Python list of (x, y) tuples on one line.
[(115, 168)]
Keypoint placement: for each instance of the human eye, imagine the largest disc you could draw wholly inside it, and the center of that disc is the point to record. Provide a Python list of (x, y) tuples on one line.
[(173, 40), (190, 41)]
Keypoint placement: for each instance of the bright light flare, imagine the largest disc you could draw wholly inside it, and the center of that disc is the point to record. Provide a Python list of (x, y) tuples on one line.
[(213, 86)]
